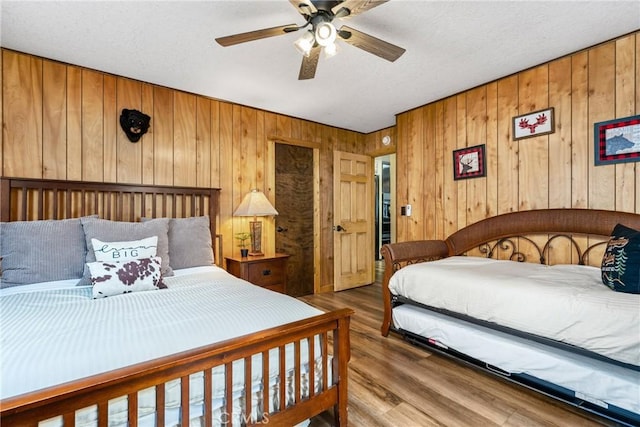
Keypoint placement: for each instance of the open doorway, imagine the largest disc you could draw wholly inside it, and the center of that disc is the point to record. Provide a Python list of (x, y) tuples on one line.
[(384, 204)]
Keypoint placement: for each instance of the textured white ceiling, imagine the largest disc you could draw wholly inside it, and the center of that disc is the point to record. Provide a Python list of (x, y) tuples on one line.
[(451, 46)]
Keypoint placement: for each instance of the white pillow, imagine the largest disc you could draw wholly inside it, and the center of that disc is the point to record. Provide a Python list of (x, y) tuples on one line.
[(125, 251), (122, 277)]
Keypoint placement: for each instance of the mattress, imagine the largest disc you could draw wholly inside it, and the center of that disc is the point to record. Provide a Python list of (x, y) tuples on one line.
[(592, 380), (566, 303), (202, 305)]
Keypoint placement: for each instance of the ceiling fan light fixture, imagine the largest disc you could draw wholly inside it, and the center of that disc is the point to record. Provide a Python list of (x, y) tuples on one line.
[(330, 50), (325, 34), (305, 43)]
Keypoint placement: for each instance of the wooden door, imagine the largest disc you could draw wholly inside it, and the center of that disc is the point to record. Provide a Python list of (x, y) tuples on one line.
[(353, 243), (295, 221)]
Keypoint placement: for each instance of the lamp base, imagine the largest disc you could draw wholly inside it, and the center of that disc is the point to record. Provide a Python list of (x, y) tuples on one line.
[(256, 238)]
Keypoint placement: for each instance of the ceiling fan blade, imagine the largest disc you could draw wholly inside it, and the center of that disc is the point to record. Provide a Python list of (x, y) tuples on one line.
[(256, 35), (305, 7), (371, 44), (309, 64), (354, 7)]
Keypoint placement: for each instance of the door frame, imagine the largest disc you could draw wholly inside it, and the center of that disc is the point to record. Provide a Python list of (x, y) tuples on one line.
[(271, 183)]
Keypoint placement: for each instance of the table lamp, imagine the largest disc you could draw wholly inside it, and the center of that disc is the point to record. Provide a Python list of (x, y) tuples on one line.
[(255, 204)]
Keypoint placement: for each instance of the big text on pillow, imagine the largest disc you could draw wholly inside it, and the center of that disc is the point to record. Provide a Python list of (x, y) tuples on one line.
[(125, 251)]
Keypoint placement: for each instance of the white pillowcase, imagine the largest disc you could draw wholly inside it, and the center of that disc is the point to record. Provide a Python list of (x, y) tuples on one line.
[(122, 277), (125, 251)]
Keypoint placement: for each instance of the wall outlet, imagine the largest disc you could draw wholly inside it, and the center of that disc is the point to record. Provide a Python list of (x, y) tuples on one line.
[(408, 210), (405, 210)]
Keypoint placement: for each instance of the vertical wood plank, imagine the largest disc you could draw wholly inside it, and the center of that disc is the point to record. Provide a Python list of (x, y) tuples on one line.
[(401, 176), (215, 145), (184, 139), (415, 169), (74, 123), (148, 144), (203, 142), (426, 210), (476, 135), (439, 172), (461, 142), (581, 139), (22, 120), (265, 127), (507, 148), (491, 150), (163, 123), (92, 126), (450, 196), (54, 120), (227, 203), (625, 86), (560, 140), (111, 126), (601, 107)]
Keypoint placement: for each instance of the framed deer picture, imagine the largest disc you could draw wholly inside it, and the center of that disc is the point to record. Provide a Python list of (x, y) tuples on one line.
[(533, 124), (469, 162)]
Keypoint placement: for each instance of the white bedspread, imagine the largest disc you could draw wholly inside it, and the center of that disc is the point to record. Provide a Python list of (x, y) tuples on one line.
[(566, 303), (58, 335)]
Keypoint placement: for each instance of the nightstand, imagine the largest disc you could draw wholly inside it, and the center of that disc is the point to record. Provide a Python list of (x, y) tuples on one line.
[(267, 271)]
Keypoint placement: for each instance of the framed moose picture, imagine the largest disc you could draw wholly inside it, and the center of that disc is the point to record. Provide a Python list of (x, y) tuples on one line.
[(533, 124)]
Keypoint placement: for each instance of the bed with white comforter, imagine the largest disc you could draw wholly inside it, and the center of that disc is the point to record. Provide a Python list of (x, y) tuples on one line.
[(565, 300), (490, 295), (201, 305)]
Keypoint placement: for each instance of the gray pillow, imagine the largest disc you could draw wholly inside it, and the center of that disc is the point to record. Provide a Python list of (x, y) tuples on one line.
[(190, 243), (41, 251), (116, 231)]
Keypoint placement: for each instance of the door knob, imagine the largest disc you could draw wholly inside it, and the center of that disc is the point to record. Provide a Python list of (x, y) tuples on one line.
[(339, 228)]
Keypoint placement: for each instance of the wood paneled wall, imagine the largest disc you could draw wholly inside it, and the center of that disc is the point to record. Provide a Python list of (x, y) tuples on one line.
[(550, 171), (61, 121)]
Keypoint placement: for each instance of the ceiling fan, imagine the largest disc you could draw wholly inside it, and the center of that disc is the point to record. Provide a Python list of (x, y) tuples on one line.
[(322, 34)]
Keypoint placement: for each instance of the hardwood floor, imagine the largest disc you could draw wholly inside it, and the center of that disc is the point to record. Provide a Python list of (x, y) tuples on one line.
[(393, 383)]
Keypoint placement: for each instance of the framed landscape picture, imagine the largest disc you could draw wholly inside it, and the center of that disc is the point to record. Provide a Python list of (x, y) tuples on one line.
[(469, 162), (617, 141)]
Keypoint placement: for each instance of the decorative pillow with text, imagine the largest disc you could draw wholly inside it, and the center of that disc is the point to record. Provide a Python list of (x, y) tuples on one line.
[(125, 251)]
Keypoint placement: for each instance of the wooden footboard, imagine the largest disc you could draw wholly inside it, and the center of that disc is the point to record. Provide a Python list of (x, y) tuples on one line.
[(332, 327), (527, 236)]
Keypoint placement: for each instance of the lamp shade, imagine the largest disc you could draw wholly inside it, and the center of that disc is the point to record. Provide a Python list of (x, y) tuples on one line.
[(255, 203)]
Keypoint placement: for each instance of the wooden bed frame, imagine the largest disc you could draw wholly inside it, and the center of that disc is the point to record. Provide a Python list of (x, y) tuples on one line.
[(548, 236), (35, 199)]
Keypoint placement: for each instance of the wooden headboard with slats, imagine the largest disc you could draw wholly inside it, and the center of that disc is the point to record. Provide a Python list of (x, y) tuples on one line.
[(25, 199)]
